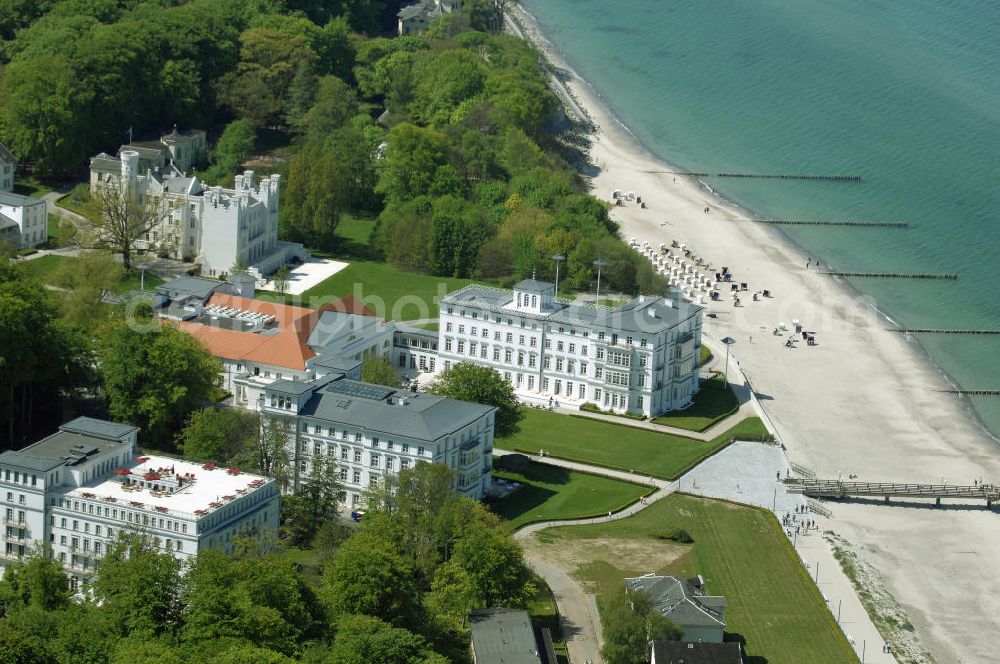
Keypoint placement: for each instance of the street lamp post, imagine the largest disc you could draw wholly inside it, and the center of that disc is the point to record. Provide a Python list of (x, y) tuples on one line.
[(558, 258), (599, 263), (142, 275), (729, 341)]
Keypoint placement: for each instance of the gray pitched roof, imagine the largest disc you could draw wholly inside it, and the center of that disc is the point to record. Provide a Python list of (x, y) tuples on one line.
[(503, 636), (17, 200), (534, 286), (181, 287), (6, 155), (335, 363), (676, 652), (680, 601), (377, 408), (644, 314)]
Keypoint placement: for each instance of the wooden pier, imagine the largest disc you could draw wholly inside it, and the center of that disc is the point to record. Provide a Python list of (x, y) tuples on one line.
[(892, 275), (861, 222), (818, 488)]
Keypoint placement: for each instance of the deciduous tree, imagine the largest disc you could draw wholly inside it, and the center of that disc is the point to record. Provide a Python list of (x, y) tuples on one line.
[(154, 377), (367, 576), (314, 502), (379, 370), (219, 434), (124, 216), (484, 385)]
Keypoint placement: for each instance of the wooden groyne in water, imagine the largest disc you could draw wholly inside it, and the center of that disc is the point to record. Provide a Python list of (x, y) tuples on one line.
[(974, 393), (860, 222), (938, 330), (892, 275), (790, 176), (769, 176)]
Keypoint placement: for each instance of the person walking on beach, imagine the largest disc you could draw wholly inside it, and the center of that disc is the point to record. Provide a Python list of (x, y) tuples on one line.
[(808, 262)]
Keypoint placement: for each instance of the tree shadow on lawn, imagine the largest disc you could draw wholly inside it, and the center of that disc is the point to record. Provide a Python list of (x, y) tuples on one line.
[(522, 501), (734, 637)]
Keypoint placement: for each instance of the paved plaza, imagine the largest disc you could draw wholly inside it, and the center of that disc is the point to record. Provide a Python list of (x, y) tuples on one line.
[(309, 274), (745, 473)]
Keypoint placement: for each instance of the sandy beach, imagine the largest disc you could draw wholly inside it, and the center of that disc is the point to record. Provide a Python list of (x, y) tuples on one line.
[(863, 401)]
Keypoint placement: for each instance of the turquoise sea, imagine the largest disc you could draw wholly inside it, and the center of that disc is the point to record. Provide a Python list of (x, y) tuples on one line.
[(904, 92)]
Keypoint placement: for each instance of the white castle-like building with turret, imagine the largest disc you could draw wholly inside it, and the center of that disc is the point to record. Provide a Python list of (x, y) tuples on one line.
[(210, 225)]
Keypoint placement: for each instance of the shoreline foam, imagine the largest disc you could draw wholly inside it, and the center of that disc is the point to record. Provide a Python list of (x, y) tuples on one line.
[(864, 402)]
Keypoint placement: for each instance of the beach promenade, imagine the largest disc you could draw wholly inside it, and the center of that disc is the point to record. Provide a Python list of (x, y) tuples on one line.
[(863, 401)]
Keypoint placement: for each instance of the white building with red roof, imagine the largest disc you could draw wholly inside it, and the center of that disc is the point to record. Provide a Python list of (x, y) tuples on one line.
[(259, 341)]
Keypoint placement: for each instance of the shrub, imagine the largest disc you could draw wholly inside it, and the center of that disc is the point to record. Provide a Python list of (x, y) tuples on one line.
[(677, 535)]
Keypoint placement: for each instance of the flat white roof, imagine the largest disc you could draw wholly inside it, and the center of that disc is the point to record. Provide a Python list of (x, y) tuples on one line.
[(203, 487)]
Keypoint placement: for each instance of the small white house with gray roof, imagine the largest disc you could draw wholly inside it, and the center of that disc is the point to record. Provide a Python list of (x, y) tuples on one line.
[(640, 357), (24, 221), (685, 603), (372, 431)]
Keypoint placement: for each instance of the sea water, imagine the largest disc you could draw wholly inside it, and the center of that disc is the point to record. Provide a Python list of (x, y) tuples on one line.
[(905, 93)]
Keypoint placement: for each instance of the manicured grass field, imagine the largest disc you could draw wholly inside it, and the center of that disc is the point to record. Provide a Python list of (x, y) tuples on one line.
[(352, 234), (618, 445), (42, 268), (742, 554), (713, 402), (556, 493), (391, 293)]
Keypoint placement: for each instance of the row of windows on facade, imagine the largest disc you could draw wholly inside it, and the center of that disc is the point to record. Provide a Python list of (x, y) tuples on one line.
[(400, 340), (357, 437), (126, 515), (563, 365), (601, 336), (18, 477), (374, 460), (422, 361)]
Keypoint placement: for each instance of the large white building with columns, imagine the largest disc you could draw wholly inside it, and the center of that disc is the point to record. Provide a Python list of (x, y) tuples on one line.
[(641, 357), (81, 487)]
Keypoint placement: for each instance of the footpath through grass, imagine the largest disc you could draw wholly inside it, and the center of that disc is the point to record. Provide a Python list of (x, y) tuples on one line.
[(713, 402), (550, 493), (618, 446), (741, 553)]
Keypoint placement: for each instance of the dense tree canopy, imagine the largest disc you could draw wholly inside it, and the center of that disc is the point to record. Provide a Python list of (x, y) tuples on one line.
[(155, 376)]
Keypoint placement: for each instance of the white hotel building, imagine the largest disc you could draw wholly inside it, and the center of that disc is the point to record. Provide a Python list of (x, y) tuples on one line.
[(373, 431), (80, 487), (641, 357)]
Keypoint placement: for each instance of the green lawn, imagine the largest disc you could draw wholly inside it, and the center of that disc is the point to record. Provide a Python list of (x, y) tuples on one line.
[(41, 268), (713, 402), (556, 493), (618, 445), (352, 236), (390, 292), (31, 187), (742, 554), (704, 356)]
